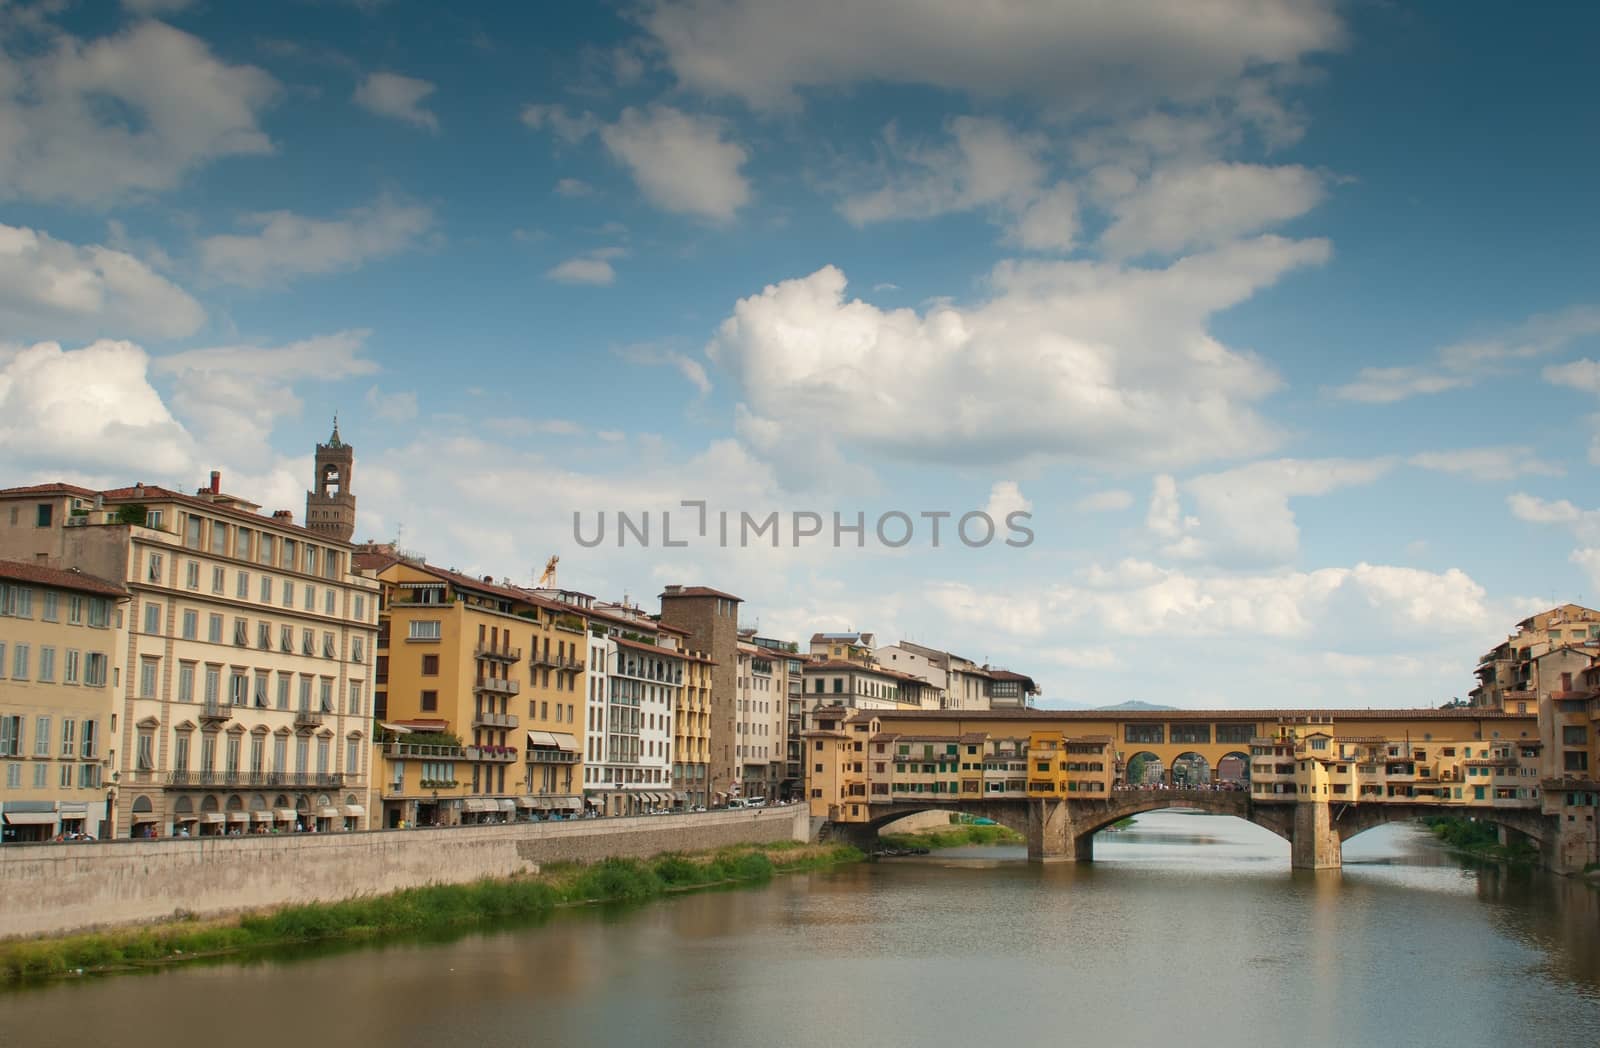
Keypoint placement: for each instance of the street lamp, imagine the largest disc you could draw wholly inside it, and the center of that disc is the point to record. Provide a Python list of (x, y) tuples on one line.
[(436, 820)]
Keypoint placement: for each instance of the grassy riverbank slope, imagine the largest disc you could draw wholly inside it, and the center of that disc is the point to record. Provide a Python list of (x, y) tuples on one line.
[(1479, 838), (430, 909), (954, 837)]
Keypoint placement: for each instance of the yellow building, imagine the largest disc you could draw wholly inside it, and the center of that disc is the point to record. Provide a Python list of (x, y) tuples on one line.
[(59, 636), (480, 697), (244, 704), (691, 731)]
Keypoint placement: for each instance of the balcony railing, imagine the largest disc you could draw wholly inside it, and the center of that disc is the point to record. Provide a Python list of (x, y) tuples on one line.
[(549, 756), (498, 686), (501, 654), (208, 779), (485, 719), (305, 719), (495, 754), (444, 753), (215, 713)]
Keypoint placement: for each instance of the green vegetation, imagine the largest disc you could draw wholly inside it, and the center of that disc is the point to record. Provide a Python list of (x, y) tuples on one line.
[(1136, 768), (1479, 838), (131, 513), (430, 910), (1123, 823), (955, 837)]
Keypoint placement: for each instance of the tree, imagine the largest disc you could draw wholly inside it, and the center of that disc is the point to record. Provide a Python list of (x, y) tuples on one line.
[(1136, 769), (132, 513)]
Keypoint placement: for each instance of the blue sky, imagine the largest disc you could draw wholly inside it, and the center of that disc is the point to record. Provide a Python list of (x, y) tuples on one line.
[(1279, 317)]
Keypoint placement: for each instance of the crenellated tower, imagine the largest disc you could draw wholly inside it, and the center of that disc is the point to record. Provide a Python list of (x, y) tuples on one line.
[(331, 508)]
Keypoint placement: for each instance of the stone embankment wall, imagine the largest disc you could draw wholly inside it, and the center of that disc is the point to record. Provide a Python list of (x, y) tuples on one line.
[(52, 889)]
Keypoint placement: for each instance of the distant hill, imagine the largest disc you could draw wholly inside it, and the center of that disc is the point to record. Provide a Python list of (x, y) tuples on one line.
[(1133, 705)]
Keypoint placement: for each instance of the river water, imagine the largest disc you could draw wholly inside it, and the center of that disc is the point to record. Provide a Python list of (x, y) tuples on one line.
[(1187, 930)]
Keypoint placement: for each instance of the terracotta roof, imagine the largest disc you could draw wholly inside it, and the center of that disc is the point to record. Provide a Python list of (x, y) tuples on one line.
[(1259, 716), (69, 579), (860, 667), (654, 649), (56, 488), (974, 737), (153, 493), (700, 591)]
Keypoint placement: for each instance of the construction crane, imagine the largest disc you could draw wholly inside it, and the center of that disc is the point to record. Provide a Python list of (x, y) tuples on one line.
[(548, 579)]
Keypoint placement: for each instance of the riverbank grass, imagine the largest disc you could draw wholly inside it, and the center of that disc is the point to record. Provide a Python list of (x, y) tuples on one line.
[(957, 836), (431, 909), (1479, 838)]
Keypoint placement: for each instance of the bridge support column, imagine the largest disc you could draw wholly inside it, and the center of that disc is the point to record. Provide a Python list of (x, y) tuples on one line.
[(1315, 844), (1051, 833)]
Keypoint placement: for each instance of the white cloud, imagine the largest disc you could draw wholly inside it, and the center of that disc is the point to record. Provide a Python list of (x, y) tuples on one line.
[(527, 427), (568, 127), (687, 366), (156, 7), (1502, 463), (1464, 363), (393, 407), (584, 270), (233, 396), (682, 163), (92, 121), (1165, 516), (287, 245), (48, 286), (1006, 498), (1071, 360), (1536, 510), (1104, 502), (1578, 374), (398, 97), (1200, 206), (573, 187), (87, 411), (1071, 57), (1244, 514)]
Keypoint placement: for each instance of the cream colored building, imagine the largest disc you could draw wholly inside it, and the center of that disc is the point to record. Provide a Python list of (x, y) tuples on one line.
[(59, 637), (245, 696)]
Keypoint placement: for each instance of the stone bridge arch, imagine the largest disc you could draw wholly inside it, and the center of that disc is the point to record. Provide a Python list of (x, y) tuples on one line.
[(1091, 816), (1010, 814)]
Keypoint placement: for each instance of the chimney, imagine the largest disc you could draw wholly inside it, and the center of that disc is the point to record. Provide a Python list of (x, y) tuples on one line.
[(216, 482), (283, 516)]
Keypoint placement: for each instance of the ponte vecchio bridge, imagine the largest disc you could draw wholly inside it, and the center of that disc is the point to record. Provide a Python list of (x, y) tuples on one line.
[(1313, 777)]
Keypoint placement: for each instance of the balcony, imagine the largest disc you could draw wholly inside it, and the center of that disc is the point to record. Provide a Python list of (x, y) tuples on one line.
[(307, 720), (498, 686), (212, 779), (441, 753), (491, 754), (540, 755), (500, 654), (215, 713), (485, 719)]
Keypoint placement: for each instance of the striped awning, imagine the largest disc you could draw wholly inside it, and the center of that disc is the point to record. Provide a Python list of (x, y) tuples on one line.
[(354, 811), (238, 816), (32, 818), (507, 804), (479, 804), (261, 816), (526, 801), (213, 817), (284, 814), (329, 812)]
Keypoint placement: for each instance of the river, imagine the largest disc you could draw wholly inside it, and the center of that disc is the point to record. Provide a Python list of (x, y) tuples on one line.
[(1187, 930)]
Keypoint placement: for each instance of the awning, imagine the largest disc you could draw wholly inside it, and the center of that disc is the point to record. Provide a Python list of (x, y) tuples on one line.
[(478, 804), (70, 810), (354, 811), (30, 818), (398, 729), (527, 802), (185, 817), (680, 796), (213, 817), (565, 741), (541, 738), (328, 813), (238, 816), (284, 814), (140, 816), (568, 804), (261, 816), (507, 804)]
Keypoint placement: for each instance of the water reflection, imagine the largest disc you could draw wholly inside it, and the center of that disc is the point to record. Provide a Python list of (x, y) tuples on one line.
[(1188, 929)]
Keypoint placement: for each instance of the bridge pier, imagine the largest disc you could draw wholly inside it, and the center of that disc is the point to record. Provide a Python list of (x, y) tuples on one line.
[(1052, 835), (1314, 844)]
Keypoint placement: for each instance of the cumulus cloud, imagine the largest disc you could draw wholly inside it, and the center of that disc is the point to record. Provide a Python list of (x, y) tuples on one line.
[(233, 396), (681, 162), (88, 411), (690, 368), (1183, 208), (397, 97), (91, 121), (1581, 375), (1070, 57), (1070, 360), (49, 286), (567, 126), (400, 406), (573, 187), (285, 245), (1244, 514)]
